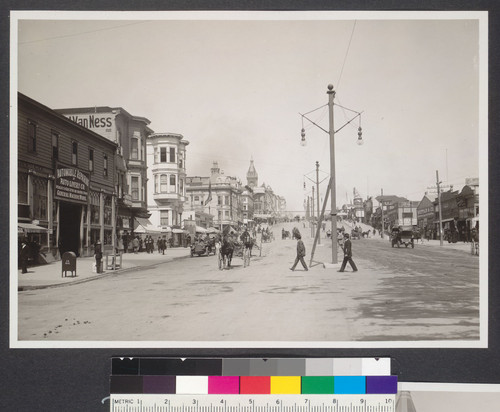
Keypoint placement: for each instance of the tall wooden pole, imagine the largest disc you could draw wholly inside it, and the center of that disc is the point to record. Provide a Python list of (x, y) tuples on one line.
[(333, 212)]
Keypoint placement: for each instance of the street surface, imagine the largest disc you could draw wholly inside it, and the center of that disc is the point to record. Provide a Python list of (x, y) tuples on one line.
[(426, 293)]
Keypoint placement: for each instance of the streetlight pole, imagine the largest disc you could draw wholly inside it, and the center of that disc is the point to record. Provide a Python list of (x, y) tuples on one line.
[(382, 209), (317, 196), (331, 132), (333, 212)]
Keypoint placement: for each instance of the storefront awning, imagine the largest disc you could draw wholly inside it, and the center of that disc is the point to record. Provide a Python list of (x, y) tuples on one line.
[(142, 225), (200, 229), (178, 231), (30, 228)]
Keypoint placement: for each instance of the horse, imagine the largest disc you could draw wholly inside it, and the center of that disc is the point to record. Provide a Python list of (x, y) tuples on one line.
[(226, 251)]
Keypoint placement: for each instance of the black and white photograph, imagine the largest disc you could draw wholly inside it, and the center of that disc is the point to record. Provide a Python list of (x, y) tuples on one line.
[(249, 179)]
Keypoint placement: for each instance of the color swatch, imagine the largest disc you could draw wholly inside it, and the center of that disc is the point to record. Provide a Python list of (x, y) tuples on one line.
[(208, 376), (252, 366)]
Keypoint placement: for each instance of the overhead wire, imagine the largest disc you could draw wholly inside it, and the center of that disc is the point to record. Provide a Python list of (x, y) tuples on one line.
[(82, 33)]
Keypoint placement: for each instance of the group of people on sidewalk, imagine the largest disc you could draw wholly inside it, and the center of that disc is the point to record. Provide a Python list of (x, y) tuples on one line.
[(301, 252)]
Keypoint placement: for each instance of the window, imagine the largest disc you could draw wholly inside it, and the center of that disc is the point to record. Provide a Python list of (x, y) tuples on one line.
[(22, 188), (407, 215), (181, 186), (91, 160), (172, 184), (135, 187), (55, 146), (163, 154), (163, 184), (172, 155), (163, 217), (226, 200), (197, 198), (155, 155), (74, 153), (31, 136), (156, 183), (105, 167), (134, 148), (219, 200)]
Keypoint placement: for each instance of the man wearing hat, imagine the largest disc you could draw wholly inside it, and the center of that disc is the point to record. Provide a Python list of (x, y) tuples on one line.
[(301, 251), (98, 256), (348, 254)]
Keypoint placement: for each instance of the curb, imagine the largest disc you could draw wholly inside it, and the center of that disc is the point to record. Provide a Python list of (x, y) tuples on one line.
[(102, 276)]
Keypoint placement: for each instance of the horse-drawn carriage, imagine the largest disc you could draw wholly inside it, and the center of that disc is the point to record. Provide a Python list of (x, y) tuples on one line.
[(227, 249), (267, 236), (403, 235), (204, 246)]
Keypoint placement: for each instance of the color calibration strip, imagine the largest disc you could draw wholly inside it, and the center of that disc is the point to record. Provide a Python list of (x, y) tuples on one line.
[(253, 385), (252, 366)]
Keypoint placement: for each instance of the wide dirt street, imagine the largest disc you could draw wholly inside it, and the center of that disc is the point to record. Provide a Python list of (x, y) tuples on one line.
[(426, 293)]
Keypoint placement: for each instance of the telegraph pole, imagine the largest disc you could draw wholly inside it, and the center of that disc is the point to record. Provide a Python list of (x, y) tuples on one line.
[(333, 202), (439, 207), (439, 187), (312, 213), (382, 209), (317, 196)]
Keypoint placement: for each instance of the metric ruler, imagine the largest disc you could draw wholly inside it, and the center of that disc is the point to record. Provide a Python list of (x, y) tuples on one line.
[(252, 403)]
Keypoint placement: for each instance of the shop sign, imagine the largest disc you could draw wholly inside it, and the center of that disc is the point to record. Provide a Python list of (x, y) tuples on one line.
[(72, 185), (100, 123)]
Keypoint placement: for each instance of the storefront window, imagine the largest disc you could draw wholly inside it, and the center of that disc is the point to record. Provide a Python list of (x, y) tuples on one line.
[(94, 208), (22, 188), (94, 236), (107, 210), (107, 237), (39, 198)]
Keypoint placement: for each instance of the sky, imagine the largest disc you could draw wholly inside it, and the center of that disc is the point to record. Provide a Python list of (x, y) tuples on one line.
[(234, 89)]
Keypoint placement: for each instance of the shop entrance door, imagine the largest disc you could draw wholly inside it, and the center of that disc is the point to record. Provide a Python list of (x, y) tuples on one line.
[(69, 227)]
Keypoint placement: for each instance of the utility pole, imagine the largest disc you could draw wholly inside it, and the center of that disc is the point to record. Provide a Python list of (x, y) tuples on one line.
[(333, 202), (312, 213), (439, 187), (439, 207), (382, 209), (317, 194)]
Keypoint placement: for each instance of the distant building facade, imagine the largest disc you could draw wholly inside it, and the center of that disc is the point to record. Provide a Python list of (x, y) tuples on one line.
[(218, 195)]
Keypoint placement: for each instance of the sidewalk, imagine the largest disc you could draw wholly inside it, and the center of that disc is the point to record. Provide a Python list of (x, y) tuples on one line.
[(49, 275)]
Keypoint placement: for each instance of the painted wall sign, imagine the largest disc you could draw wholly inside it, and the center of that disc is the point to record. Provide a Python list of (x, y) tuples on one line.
[(100, 123), (72, 185)]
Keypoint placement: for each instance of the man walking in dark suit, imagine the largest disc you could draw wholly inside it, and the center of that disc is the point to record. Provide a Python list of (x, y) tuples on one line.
[(301, 252), (348, 255)]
